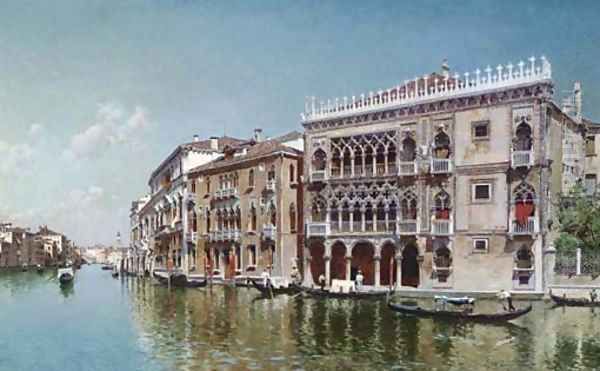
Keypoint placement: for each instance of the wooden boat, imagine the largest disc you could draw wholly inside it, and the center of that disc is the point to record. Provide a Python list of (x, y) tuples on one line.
[(65, 276), (571, 302), (196, 283), (345, 295), (266, 291), (459, 315), (180, 280)]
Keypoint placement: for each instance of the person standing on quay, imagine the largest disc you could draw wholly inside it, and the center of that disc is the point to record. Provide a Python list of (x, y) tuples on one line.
[(359, 280)]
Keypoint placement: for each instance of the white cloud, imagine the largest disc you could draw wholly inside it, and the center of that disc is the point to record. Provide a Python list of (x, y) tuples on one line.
[(16, 158), (112, 126), (35, 129)]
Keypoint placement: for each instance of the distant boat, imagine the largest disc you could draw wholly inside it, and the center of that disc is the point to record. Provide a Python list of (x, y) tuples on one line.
[(65, 275), (39, 268), (107, 267), (24, 267), (115, 272)]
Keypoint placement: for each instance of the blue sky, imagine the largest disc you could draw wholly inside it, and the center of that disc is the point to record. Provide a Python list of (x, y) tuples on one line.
[(94, 94)]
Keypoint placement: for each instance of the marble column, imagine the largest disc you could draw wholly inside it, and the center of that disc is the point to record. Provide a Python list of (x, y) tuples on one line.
[(327, 270), (348, 267), (377, 271), (398, 271)]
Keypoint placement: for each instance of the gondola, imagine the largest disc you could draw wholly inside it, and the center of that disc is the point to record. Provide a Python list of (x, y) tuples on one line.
[(266, 291), (65, 276), (459, 315), (563, 300), (196, 283), (346, 295)]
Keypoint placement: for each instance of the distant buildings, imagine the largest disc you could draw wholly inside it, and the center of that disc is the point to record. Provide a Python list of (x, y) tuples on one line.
[(20, 247)]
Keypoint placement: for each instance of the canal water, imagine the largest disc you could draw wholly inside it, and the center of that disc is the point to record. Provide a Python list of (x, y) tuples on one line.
[(103, 323)]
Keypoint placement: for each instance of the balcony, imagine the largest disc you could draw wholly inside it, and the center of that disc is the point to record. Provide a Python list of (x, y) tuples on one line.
[(269, 231), (407, 168), (270, 185), (526, 229), (408, 227), (191, 237), (318, 176), (317, 229), (226, 193), (441, 165), (441, 227), (522, 159)]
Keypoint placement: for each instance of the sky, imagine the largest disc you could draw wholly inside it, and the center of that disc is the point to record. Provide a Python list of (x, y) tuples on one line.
[(94, 94)]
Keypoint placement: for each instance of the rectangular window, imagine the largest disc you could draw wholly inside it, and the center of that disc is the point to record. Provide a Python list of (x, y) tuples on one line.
[(480, 130), (590, 145), (590, 184), (480, 244), (481, 192)]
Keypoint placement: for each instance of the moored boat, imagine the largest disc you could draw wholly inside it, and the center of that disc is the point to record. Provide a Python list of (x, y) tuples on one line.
[(39, 268), (267, 291), (24, 267), (346, 295), (65, 275), (417, 311), (572, 302), (107, 267)]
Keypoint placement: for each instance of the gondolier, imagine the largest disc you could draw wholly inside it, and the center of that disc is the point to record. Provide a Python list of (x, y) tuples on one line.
[(505, 295)]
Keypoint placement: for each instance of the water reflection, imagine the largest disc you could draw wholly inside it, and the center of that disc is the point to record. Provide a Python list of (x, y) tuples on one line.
[(227, 328)]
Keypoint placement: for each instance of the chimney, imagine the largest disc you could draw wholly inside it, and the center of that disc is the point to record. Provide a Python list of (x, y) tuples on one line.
[(196, 138), (445, 68), (214, 143), (577, 100), (258, 135)]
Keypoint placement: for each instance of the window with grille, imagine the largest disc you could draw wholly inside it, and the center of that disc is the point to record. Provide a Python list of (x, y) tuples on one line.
[(482, 192)]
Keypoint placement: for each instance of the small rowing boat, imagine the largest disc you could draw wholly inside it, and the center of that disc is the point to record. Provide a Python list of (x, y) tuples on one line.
[(267, 291), (417, 311), (571, 302)]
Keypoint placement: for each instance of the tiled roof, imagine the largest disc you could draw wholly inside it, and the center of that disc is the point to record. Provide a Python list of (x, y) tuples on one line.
[(201, 145), (254, 150)]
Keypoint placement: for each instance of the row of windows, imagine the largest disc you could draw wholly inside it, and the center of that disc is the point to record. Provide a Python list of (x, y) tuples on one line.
[(226, 182)]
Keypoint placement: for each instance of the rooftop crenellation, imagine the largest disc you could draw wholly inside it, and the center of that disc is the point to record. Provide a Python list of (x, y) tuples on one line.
[(431, 87)]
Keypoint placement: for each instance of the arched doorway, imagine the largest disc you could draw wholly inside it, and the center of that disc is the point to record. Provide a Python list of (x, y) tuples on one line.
[(388, 265), (362, 259), (338, 261), (317, 263), (410, 266)]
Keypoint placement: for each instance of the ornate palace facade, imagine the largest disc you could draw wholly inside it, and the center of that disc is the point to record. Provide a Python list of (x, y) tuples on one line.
[(442, 182)]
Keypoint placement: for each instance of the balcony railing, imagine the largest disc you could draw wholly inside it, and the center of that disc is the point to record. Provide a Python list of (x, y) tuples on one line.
[(441, 227), (191, 237), (528, 228), (441, 165), (317, 229), (224, 235), (407, 227), (318, 175), (522, 159), (407, 168), (226, 193), (269, 231)]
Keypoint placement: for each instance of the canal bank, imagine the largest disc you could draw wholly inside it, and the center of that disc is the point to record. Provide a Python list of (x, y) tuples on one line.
[(131, 324)]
